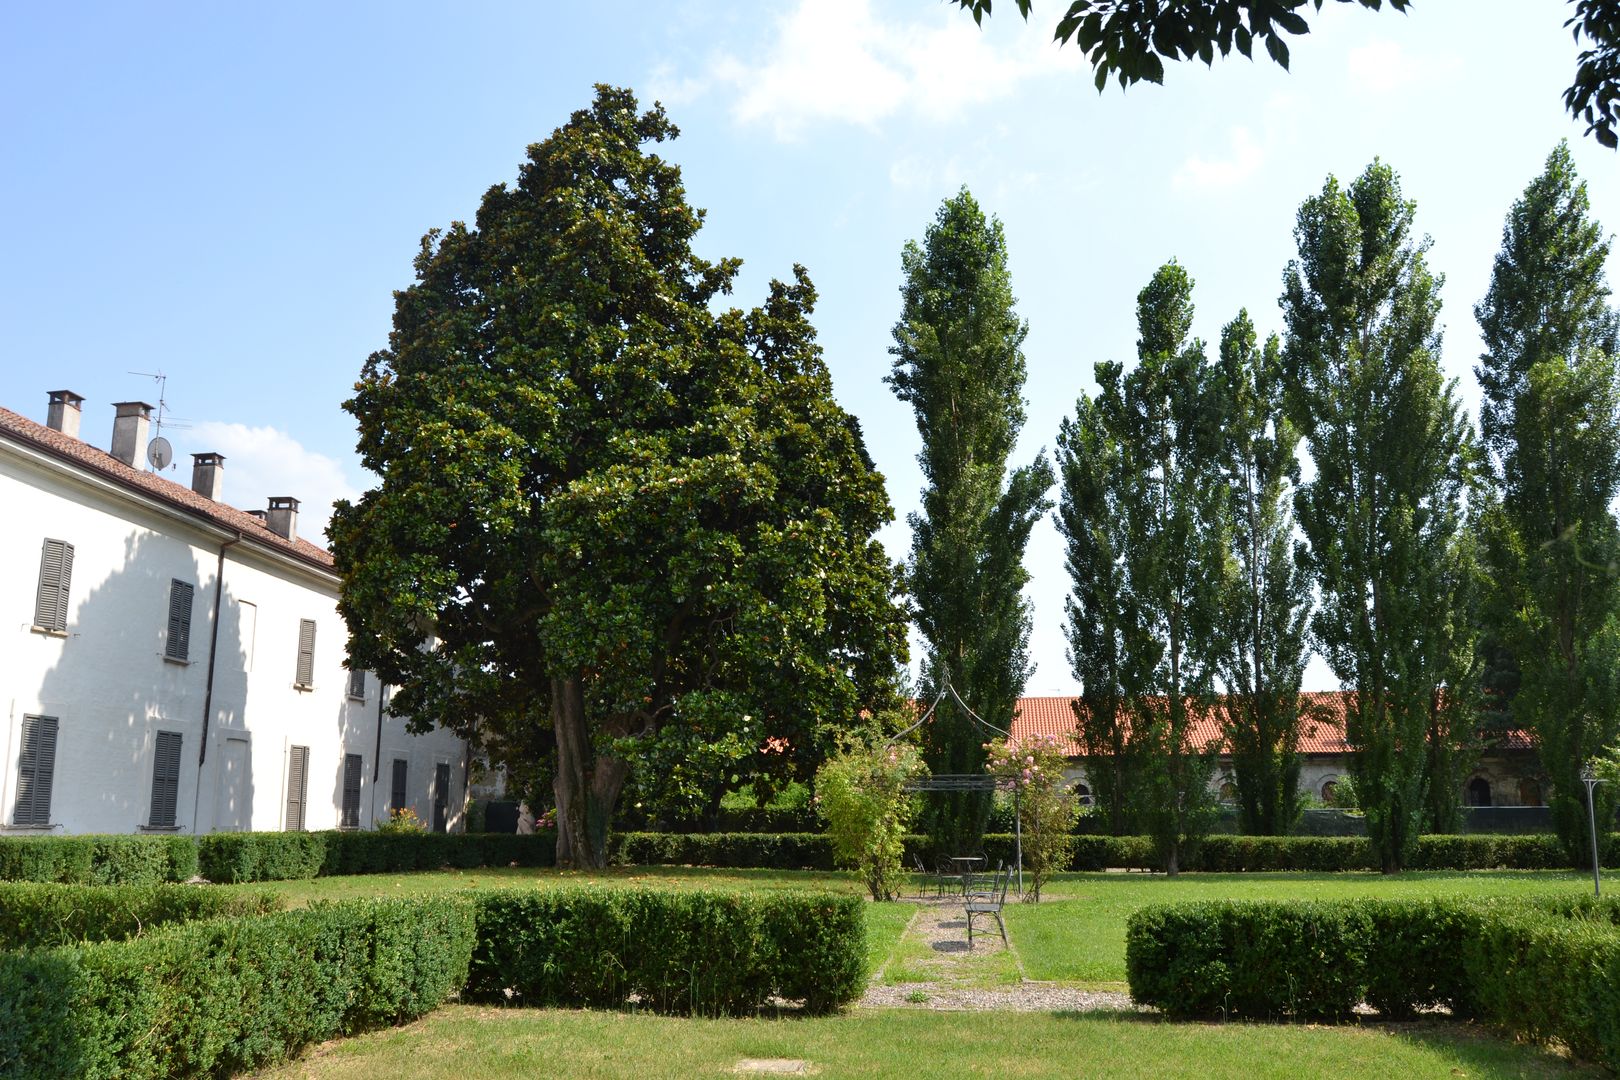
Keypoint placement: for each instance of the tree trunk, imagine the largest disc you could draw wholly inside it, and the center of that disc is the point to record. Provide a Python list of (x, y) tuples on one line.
[(587, 785)]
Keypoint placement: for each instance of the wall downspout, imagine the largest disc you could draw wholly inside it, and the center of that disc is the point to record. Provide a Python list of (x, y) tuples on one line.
[(213, 654)]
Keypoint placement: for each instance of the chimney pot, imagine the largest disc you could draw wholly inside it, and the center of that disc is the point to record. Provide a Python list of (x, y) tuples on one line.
[(66, 408), (282, 517), (206, 470), (129, 430)]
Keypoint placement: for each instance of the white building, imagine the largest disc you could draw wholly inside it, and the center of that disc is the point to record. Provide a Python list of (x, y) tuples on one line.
[(171, 663)]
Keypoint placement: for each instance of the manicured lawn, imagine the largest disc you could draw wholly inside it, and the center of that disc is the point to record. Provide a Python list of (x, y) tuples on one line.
[(1077, 933), (494, 1044)]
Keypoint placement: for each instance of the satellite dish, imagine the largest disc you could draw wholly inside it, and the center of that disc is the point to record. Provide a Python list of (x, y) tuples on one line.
[(159, 453)]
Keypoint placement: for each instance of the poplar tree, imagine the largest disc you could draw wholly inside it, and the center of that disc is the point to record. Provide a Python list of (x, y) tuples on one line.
[(959, 362), (1173, 558), (1383, 516), (1550, 418), (1262, 650)]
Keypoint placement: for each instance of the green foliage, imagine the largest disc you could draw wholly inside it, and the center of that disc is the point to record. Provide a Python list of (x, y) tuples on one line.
[(959, 362), (1261, 650), (1033, 769), (43, 916), (702, 953), (227, 858), (98, 860), (1383, 516), (776, 851), (1550, 417), (235, 857), (562, 405), (228, 995), (860, 794), (1541, 970), (404, 820)]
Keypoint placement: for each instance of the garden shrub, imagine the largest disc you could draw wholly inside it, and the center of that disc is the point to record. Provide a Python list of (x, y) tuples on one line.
[(228, 995), (43, 916), (695, 952), (227, 858), (861, 795), (1046, 811), (98, 860), (773, 851)]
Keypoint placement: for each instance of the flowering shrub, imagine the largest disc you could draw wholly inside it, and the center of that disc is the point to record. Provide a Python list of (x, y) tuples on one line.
[(547, 821), (402, 820), (1033, 769), (860, 794)]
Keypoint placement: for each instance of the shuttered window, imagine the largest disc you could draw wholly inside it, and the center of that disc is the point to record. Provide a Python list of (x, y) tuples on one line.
[(396, 792), (441, 797), (297, 787), (357, 685), (36, 767), (177, 646), (352, 767), (55, 572), (305, 677), (165, 779)]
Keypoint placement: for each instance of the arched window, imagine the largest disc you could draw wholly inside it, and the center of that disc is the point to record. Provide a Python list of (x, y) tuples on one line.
[(1479, 792), (1328, 787), (1083, 793), (1529, 793), (1229, 792)]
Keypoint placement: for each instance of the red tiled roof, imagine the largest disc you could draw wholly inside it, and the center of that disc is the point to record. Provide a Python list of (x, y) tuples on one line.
[(1323, 731), (103, 464)]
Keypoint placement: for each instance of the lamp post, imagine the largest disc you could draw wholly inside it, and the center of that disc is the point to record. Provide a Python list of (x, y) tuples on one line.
[(1591, 779)]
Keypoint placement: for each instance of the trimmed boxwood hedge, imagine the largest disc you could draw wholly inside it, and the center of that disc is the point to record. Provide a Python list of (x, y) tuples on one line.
[(697, 952), (42, 916), (236, 857), (98, 860), (228, 995), (1546, 970)]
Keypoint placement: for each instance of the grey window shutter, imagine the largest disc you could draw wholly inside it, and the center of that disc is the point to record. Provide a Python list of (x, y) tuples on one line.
[(297, 787), (306, 653), (55, 574), (441, 798), (352, 766), (178, 644), (36, 768), (396, 794), (357, 684), (165, 780)]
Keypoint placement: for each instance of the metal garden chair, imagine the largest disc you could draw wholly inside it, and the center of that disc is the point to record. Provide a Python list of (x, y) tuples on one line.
[(984, 895)]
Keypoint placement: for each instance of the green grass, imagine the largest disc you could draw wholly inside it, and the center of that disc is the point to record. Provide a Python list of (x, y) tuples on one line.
[(494, 1044), (884, 925), (1077, 933)]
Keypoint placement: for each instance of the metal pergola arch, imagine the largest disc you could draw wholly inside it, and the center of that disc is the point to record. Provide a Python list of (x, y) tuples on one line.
[(969, 781)]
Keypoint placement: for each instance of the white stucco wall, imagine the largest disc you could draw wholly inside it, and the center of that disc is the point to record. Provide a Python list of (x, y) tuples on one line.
[(110, 687)]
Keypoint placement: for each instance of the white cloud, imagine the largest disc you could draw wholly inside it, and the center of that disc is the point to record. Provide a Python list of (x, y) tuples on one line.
[(835, 61), (263, 461), (1243, 161), (1383, 66)]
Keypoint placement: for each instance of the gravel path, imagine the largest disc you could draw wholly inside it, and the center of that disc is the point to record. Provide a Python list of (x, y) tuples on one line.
[(955, 986)]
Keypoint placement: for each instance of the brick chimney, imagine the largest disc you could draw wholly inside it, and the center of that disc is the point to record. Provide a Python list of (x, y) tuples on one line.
[(282, 517), (206, 470), (65, 411), (129, 430)]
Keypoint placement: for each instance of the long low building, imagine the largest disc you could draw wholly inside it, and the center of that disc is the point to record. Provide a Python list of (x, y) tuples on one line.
[(177, 664), (1507, 771)]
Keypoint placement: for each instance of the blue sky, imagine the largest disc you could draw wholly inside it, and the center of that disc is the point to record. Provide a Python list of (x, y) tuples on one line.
[(230, 194)]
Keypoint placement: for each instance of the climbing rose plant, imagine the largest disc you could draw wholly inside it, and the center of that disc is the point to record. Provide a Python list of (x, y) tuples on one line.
[(1033, 768), (860, 794)]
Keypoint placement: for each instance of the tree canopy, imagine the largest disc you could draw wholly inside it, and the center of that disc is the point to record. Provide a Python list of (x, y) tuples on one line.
[(1129, 40), (609, 517)]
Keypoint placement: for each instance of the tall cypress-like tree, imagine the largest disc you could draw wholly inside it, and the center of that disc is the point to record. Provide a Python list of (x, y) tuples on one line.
[(1166, 495), (959, 361), (1550, 418), (1263, 622), (1091, 518), (1383, 517)]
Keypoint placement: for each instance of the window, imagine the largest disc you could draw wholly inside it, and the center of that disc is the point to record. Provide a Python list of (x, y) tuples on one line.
[(304, 678), (396, 790), (36, 766), (177, 645), (1329, 790), (1229, 792), (248, 621), (1479, 792), (357, 685), (352, 766), (441, 797), (51, 601), (297, 787), (1082, 794), (165, 779)]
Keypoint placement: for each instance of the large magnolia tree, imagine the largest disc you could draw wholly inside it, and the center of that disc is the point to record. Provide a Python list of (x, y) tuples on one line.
[(609, 518)]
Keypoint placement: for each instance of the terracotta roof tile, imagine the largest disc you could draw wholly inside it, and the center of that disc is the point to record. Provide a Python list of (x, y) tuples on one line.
[(78, 452)]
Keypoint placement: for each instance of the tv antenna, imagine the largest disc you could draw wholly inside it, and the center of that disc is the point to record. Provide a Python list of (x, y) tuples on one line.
[(158, 452)]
